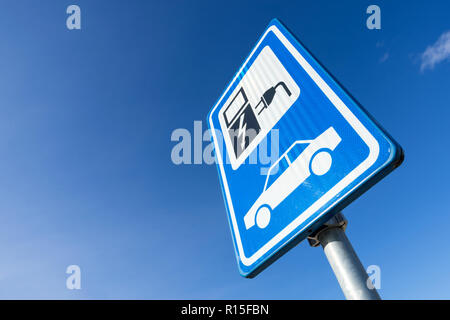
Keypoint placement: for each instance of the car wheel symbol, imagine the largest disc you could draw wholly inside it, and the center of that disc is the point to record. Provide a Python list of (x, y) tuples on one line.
[(263, 216), (321, 162)]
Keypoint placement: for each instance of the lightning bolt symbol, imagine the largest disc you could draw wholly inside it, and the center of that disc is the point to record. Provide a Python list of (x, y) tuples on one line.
[(242, 129)]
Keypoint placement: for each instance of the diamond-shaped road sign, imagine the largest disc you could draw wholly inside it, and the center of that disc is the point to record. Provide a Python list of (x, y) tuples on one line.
[(329, 150)]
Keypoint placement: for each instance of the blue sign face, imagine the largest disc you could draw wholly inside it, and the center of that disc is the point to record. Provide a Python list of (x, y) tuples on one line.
[(293, 149)]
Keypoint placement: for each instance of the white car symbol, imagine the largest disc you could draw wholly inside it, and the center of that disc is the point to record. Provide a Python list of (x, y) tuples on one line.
[(316, 158)]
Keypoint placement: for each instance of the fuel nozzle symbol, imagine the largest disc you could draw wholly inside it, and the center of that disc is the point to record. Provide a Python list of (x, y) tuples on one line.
[(267, 96)]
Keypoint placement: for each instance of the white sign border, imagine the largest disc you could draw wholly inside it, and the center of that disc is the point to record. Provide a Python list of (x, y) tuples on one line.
[(354, 174)]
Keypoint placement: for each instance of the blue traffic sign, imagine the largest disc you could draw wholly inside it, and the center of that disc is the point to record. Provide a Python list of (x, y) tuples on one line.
[(327, 149)]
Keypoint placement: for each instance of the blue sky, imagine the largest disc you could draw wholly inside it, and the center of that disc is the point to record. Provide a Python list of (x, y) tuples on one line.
[(86, 175)]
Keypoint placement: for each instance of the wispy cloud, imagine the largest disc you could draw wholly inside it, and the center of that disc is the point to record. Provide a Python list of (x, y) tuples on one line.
[(436, 53)]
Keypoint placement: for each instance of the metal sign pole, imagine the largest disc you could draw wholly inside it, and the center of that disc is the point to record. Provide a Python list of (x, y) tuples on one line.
[(347, 267)]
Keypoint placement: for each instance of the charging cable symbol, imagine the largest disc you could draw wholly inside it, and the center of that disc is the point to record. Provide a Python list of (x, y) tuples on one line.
[(267, 96)]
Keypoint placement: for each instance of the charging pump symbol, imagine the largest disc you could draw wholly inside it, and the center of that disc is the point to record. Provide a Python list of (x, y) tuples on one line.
[(241, 119)]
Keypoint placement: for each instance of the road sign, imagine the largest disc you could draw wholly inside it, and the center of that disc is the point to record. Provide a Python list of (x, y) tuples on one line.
[(330, 150)]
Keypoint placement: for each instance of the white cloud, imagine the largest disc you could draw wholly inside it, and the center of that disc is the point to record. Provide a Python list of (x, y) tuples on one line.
[(436, 53)]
